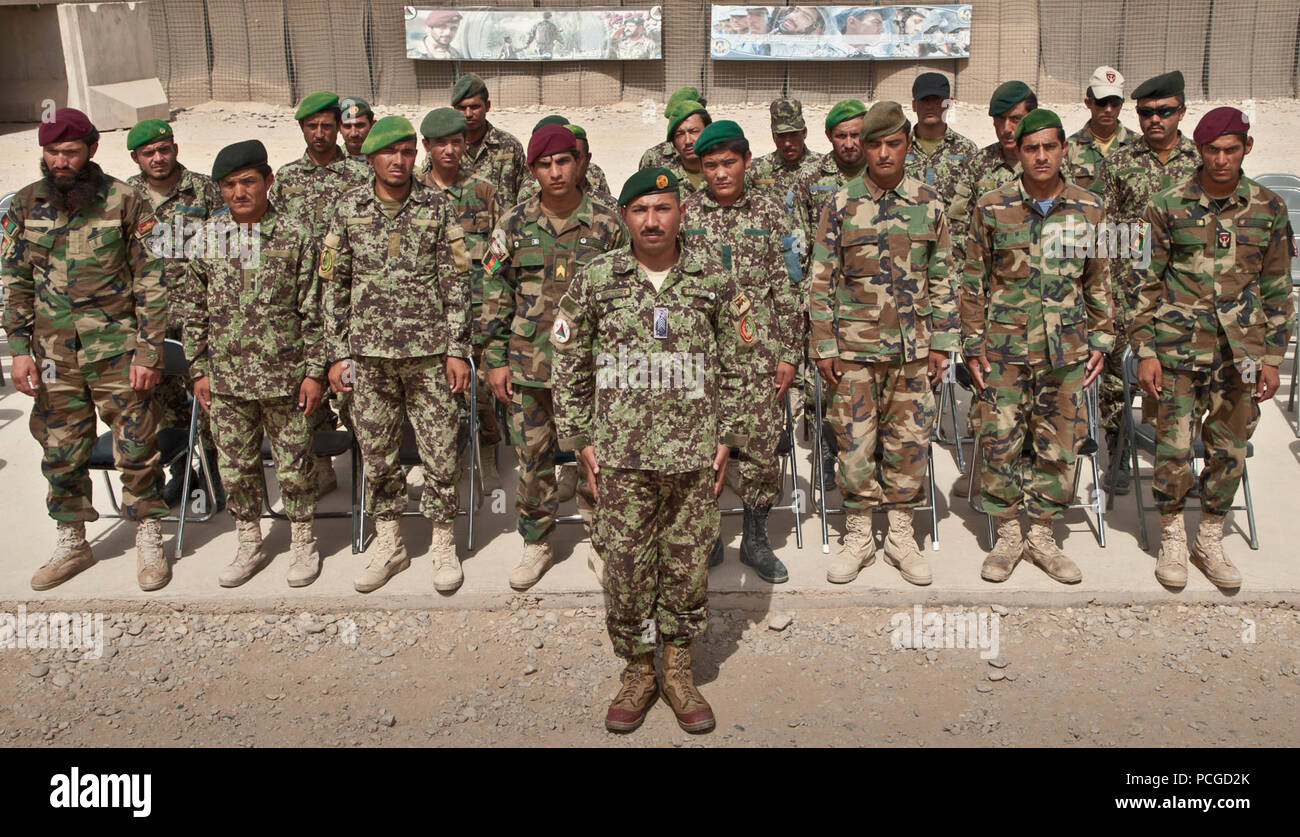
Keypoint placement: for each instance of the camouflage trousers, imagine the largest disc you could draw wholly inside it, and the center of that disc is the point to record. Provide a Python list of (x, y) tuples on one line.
[(489, 430), (759, 466), (1230, 417), (532, 425), (1111, 398), (1046, 403), (237, 427), (63, 421), (883, 415), (655, 532), (386, 391)]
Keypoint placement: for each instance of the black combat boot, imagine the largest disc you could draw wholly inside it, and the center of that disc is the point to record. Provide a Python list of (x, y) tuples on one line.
[(715, 557), (756, 551)]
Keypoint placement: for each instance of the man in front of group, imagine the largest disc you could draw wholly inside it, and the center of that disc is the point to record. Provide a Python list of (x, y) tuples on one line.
[(1210, 329), (1102, 134), (490, 152), (357, 120), (883, 307)]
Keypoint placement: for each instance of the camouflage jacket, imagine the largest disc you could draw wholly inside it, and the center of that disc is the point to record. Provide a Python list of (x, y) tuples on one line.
[(529, 267), (395, 287), (882, 285), (819, 186), (499, 159), (770, 176), (943, 170), (611, 371), (303, 189), (658, 155), (1084, 155), (596, 184), (85, 287), (1215, 276), (476, 211), (192, 202), (987, 171), (752, 240), (257, 332), (1032, 294)]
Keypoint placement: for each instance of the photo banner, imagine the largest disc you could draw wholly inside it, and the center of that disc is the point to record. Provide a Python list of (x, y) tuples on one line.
[(591, 34), (817, 33)]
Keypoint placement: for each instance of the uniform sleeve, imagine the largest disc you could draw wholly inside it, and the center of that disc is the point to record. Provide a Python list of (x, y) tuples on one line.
[(1275, 291), (788, 294), (335, 271), (194, 317), (575, 367), (1097, 299), (975, 283), (821, 287), (454, 280), (20, 286), (961, 212), (498, 312), (941, 281), (733, 412), (148, 288), (311, 313), (1152, 282)]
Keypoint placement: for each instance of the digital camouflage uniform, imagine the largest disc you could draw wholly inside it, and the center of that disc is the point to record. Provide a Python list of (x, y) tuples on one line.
[(595, 184), (529, 267), (946, 168), (397, 303), (499, 159), (658, 156), (1034, 311), (1084, 155), (881, 296), (752, 242), (85, 296), (255, 331), (770, 176), (1214, 305), (657, 520)]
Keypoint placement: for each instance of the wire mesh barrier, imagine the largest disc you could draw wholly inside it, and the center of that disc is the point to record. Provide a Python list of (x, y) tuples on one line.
[(278, 50)]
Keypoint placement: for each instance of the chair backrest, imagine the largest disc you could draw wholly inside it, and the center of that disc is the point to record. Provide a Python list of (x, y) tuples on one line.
[(174, 362), (1290, 194), (1273, 180)]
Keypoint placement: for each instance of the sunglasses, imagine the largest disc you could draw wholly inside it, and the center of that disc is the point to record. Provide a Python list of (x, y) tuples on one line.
[(1164, 112), (1110, 102)]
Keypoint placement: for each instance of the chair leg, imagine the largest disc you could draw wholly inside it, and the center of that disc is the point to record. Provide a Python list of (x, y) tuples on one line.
[(934, 502), (793, 460), (1250, 507), (820, 473)]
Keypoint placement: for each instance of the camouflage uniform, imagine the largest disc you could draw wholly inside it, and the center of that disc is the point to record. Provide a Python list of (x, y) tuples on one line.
[(820, 185), (752, 239), (1213, 306), (881, 297), (1083, 157), (986, 171), (256, 334), (943, 170), (657, 520), (529, 267), (770, 176), (397, 302), (499, 159), (85, 296), (1034, 314), (659, 155), (595, 185)]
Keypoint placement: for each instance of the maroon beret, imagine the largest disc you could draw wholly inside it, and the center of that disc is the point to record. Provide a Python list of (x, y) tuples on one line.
[(68, 124), (550, 139), (441, 17), (1220, 121)]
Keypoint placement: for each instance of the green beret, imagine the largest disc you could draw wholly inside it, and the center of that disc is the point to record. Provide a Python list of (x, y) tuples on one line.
[(1169, 84), (681, 94), (147, 131), (1036, 120), (466, 86), (684, 110), (553, 119), (715, 133), (441, 122), (1007, 95), (647, 182), (576, 131), (315, 103), (354, 107), (883, 119), (387, 131), (242, 155), (844, 109)]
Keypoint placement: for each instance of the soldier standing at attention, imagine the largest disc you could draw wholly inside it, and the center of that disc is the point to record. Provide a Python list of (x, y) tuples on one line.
[(536, 249), (684, 127), (1210, 330), (938, 156), (1036, 327), (656, 458), (255, 346), (883, 307), (844, 163), (1103, 134), (661, 154), (396, 281), (357, 120), (749, 234), (490, 152), (86, 314), (778, 175)]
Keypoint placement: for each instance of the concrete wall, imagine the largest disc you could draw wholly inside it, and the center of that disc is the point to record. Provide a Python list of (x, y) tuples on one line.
[(35, 72)]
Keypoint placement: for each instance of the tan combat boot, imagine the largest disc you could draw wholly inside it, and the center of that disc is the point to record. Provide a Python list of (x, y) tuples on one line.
[(1171, 567), (639, 692), (536, 560), (447, 574), (1207, 553), (388, 557), (1041, 549), (693, 712), (305, 567), (1006, 553), (71, 556), (151, 567), (901, 550), (326, 481), (487, 455), (249, 558), (859, 548)]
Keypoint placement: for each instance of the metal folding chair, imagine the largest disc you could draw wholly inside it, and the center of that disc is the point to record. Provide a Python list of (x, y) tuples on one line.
[(1274, 180), (948, 403), (789, 468)]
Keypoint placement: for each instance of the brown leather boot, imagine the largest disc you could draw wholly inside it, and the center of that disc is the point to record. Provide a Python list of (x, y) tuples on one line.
[(693, 712), (639, 692)]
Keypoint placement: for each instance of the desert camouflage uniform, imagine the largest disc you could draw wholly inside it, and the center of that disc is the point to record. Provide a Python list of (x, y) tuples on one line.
[(657, 520), (499, 159), (882, 295), (1083, 157), (595, 185), (1214, 306), (85, 296), (1034, 313), (397, 303)]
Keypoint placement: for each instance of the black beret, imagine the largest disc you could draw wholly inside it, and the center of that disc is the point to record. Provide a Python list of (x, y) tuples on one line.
[(242, 155)]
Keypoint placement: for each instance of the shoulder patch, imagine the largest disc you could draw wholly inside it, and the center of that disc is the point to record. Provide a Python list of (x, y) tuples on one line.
[(561, 331), (144, 226), (740, 304), (497, 252), (745, 329)]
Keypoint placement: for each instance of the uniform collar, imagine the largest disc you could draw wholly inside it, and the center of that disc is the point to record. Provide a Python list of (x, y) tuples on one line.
[(1031, 203), (1193, 190), (581, 215), (1183, 146), (706, 197), (624, 263), (339, 160)]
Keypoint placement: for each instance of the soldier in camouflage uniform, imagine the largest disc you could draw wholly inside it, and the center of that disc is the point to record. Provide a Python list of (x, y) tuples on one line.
[(778, 175), (85, 315), (938, 156), (396, 283), (684, 127), (1210, 329), (355, 123), (657, 458), (883, 307), (661, 154), (255, 345), (1103, 134), (1036, 324), (750, 235), (181, 201), (591, 178), (844, 163), (536, 250), (490, 152)]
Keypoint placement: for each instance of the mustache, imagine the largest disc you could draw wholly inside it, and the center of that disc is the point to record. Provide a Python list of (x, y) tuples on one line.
[(79, 192)]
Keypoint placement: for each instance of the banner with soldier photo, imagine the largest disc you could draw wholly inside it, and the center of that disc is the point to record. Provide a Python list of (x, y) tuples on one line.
[(793, 33), (613, 34)]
